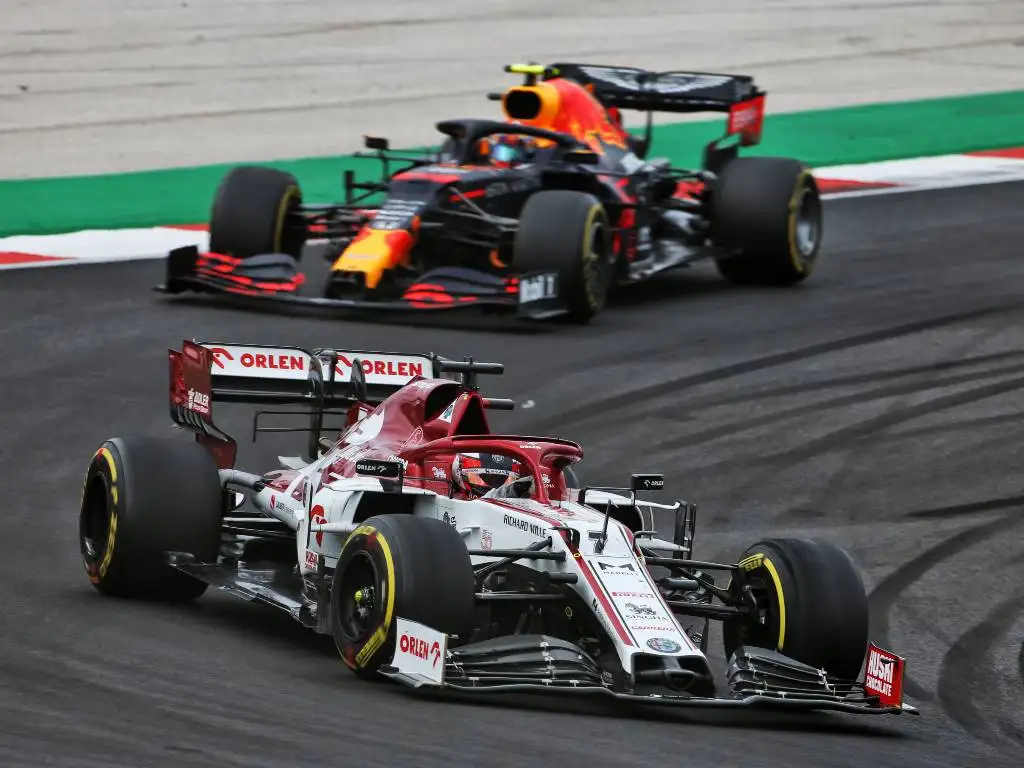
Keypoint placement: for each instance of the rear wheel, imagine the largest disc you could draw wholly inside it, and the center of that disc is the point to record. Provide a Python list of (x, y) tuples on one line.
[(144, 497), (255, 212), (768, 211), (566, 232), (398, 566), (812, 605)]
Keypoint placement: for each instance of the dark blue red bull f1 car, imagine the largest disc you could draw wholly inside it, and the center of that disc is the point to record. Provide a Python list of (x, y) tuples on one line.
[(540, 214)]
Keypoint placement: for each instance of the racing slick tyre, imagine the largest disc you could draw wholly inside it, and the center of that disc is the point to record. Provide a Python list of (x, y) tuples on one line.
[(769, 210), (566, 232), (142, 498), (395, 566), (254, 213), (812, 605)]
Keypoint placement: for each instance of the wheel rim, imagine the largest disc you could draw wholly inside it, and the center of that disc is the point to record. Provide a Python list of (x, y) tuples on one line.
[(95, 527), (761, 630), (358, 605), (808, 224)]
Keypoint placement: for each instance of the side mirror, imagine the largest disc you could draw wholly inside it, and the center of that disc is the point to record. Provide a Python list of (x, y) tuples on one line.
[(647, 482), (376, 142)]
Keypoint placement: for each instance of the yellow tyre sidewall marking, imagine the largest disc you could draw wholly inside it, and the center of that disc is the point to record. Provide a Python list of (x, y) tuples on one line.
[(589, 278), (106, 454), (291, 193), (799, 264), (380, 635), (760, 560), (98, 574)]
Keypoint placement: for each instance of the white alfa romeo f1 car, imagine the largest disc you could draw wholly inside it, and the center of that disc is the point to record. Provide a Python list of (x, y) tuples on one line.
[(445, 556)]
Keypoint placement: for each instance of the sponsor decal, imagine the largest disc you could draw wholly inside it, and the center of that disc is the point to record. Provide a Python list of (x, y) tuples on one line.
[(486, 539), (524, 525), (420, 650), (529, 446), (273, 362), (198, 402), (438, 473), (219, 353), (450, 519), (664, 645), (883, 676), (616, 568), (316, 517), (377, 468), (423, 649), (649, 595), (538, 287), (311, 559), (292, 363), (747, 117), (646, 611), (396, 214)]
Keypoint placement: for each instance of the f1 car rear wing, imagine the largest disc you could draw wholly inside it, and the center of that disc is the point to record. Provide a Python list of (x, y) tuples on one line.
[(257, 373), (620, 88), (676, 91), (322, 379)]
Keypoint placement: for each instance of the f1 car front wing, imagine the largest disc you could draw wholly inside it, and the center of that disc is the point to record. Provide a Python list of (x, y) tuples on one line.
[(275, 279), (757, 677)]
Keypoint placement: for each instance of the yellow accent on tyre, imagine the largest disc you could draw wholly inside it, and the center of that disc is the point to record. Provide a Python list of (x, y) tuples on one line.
[(770, 567), (380, 635)]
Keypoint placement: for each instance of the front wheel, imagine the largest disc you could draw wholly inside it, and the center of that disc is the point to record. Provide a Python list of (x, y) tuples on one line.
[(255, 213), (767, 212), (811, 603), (398, 566), (566, 232)]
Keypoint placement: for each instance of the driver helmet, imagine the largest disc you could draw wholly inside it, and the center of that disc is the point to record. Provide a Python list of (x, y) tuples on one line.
[(507, 149), (477, 473)]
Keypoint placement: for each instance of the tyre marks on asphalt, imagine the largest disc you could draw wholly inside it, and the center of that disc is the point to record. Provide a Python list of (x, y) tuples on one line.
[(625, 400), (971, 689), (888, 591)]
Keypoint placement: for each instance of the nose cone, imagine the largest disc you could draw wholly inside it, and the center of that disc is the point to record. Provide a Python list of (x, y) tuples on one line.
[(373, 252)]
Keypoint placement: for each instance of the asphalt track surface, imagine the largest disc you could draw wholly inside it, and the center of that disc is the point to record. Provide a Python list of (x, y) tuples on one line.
[(877, 406)]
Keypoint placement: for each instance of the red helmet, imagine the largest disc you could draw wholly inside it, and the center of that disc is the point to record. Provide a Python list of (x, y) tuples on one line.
[(478, 473)]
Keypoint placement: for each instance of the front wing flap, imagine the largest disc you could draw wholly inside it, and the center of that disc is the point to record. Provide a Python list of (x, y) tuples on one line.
[(757, 677), (275, 279)]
